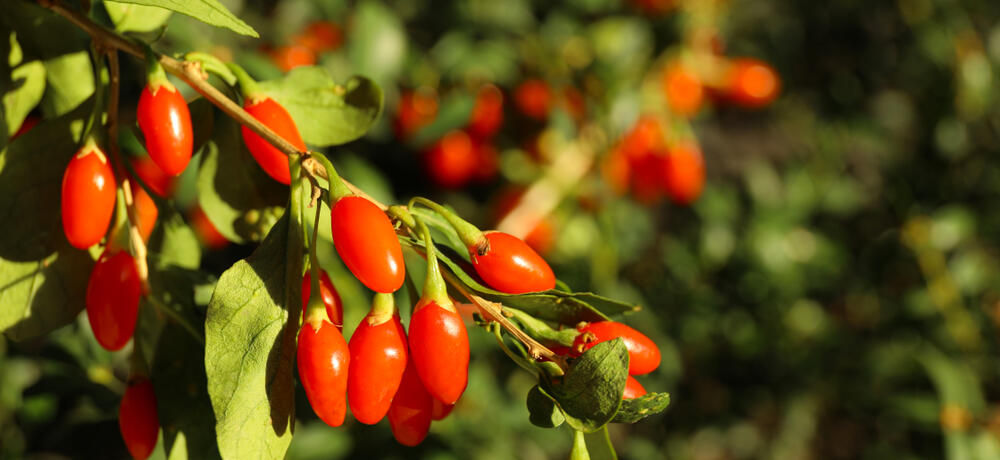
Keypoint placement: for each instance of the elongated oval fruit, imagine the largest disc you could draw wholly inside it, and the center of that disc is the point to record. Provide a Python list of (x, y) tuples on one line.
[(145, 209), (633, 389), (643, 354), (378, 359), (274, 116), (366, 242), (683, 173), (113, 292), (138, 419), (439, 349), (158, 181), (165, 122), (88, 197), (331, 298), (440, 410), (410, 411), (511, 266), (752, 83), (323, 362)]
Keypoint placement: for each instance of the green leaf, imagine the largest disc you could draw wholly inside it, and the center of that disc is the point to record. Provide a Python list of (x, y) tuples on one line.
[(591, 393), (27, 84), (542, 409), (633, 410), (208, 11), (240, 199), (202, 120), (250, 347), (131, 17), (181, 387), (326, 113), (70, 79), (174, 243), (41, 296)]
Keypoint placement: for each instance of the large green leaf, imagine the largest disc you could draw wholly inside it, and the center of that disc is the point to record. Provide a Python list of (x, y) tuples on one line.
[(174, 243), (70, 80), (542, 409), (325, 112), (250, 347), (240, 199), (27, 84), (183, 406), (591, 393), (633, 410), (40, 296), (208, 11), (132, 17), (377, 47)]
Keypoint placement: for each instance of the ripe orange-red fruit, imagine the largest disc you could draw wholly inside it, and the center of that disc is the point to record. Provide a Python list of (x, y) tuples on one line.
[(165, 122), (416, 109), (752, 83), (288, 57), (205, 230), (145, 209), (367, 243), (323, 361), (487, 114), (452, 161), (88, 197), (138, 419), (411, 409), (112, 301), (633, 389), (683, 89), (533, 98), (511, 266), (439, 349), (320, 36), (644, 355), (272, 160), (683, 172), (378, 359), (158, 181)]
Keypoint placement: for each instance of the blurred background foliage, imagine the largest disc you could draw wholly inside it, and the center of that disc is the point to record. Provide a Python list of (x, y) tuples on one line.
[(833, 293)]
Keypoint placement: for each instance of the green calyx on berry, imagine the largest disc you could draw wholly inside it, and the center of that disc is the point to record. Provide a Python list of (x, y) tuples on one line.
[(435, 290), (383, 309), (338, 189), (248, 86), (471, 236), (156, 77)]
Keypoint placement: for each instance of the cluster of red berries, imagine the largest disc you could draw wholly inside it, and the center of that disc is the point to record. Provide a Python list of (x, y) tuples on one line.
[(461, 156), (745, 82), (305, 47)]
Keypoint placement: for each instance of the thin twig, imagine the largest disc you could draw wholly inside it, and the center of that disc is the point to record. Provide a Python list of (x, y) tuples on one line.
[(191, 73)]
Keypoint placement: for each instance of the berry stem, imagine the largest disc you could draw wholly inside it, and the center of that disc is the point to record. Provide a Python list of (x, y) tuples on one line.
[(156, 78), (435, 290), (579, 451), (315, 309), (338, 189), (539, 329), (383, 309), (213, 65), (248, 86), (470, 235)]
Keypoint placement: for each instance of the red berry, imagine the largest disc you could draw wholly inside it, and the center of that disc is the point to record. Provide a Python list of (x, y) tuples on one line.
[(323, 361), (633, 389), (683, 173), (487, 162), (416, 109), (274, 116), (331, 298), (616, 170), (366, 242), (138, 419), (166, 124), (154, 177), (644, 355), (206, 231), (645, 136), (145, 209), (289, 57), (534, 98), (439, 349), (410, 412), (113, 292), (320, 36), (751, 83), (683, 90), (647, 177), (452, 161), (29, 122), (487, 114), (88, 197), (378, 359), (511, 266), (440, 410)]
